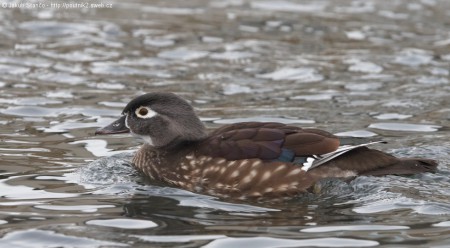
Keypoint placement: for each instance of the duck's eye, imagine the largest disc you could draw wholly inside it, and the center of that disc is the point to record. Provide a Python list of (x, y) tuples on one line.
[(144, 112)]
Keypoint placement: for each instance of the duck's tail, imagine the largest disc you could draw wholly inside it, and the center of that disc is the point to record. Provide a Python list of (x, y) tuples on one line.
[(371, 162), (405, 166)]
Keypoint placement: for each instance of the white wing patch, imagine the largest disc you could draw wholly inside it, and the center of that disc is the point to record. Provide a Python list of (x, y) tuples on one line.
[(313, 162), (309, 162)]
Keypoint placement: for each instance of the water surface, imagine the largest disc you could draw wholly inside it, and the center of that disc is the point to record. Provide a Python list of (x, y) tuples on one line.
[(372, 69)]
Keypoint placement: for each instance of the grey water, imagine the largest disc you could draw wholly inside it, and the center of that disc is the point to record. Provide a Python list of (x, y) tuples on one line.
[(370, 69)]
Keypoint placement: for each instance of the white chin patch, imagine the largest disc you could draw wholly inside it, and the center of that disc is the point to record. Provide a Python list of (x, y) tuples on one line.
[(145, 138)]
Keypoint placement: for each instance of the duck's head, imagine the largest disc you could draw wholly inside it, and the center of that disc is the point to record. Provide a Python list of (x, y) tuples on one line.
[(160, 119)]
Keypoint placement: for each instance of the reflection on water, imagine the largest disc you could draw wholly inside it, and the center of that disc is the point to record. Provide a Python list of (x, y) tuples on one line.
[(356, 68)]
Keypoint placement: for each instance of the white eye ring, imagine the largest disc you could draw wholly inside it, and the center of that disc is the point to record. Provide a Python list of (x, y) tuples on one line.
[(144, 112)]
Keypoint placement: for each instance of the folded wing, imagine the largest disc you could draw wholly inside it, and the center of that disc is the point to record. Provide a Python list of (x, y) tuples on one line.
[(267, 141)]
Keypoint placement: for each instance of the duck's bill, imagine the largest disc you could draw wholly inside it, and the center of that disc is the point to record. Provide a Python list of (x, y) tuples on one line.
[(116, 127)]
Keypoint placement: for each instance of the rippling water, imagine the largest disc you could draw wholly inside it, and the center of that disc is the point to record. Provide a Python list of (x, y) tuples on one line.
[(360, 68)]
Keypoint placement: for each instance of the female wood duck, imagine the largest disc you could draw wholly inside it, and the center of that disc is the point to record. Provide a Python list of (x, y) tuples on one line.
[(250, 160)]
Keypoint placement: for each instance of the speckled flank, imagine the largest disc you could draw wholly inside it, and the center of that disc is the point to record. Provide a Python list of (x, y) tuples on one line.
[(247, 178)]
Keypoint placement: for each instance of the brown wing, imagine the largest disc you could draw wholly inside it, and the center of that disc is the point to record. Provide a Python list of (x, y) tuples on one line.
[(266, 141)]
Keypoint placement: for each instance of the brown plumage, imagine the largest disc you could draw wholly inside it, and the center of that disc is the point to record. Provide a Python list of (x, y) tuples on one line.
[(249, 160)]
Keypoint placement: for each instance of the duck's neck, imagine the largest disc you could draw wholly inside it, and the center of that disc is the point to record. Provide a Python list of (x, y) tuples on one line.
[(178, 144), (159, 163), (149, 160)]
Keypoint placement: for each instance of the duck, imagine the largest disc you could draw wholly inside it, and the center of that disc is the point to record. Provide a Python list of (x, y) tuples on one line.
[(246, 160)]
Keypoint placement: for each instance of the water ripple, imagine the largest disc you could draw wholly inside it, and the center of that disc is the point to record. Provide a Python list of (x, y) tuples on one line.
[(278, 5), (20, 192), (266, 242), (41, 238), (123, 223), (263, 119), (404, 127), (413, 57), (307, 75), (49, 28), (366, 67), (355, 228), (183, 53)]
